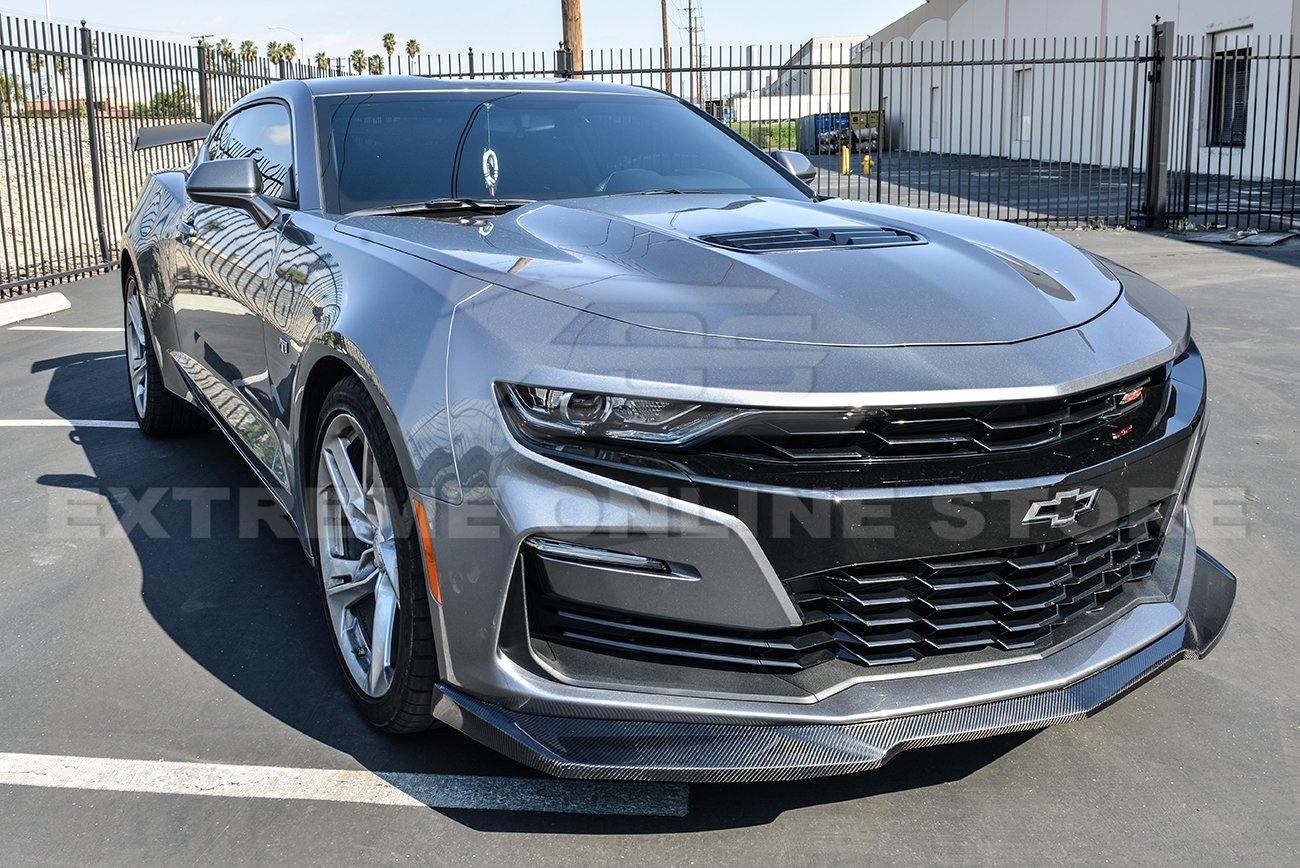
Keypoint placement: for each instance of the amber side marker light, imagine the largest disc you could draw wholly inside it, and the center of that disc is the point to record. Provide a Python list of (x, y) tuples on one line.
[(426, 548)]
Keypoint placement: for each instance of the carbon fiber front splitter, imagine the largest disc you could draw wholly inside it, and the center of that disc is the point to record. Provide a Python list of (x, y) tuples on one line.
[(672, 751)]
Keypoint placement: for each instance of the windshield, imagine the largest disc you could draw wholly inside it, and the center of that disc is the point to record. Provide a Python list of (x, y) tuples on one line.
[(393, 148)]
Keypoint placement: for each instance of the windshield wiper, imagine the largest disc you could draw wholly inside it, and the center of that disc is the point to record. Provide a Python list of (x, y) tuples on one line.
[(446, 206)]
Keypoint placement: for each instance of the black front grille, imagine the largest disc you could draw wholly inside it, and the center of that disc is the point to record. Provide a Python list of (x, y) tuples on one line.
[(894, 446), (1010, 599), (778, 240), (937, 432)]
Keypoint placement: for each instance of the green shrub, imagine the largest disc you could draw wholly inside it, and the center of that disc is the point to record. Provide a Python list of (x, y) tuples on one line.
[(176, 103), (768, 136)]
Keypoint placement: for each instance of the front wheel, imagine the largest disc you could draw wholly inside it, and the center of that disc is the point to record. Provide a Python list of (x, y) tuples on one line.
[(371, 574)]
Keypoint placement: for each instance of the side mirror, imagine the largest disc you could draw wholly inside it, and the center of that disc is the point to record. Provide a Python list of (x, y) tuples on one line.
[(233, 183), (796, 164)]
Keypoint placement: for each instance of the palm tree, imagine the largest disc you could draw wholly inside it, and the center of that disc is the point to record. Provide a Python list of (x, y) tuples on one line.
[(247, 51), (35, 63), (288, 51), (358, 58), (375, 64), (226, 52), (412, 52), (10, 89), (61, 70), (322, 61), (274, 52), (390, 45)]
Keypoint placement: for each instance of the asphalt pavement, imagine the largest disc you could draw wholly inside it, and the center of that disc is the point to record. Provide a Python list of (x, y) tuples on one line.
[(168, 695), (1047, 191)]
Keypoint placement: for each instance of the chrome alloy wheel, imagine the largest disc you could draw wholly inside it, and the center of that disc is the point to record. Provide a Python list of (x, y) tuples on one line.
[(358, 554), (137, 354)]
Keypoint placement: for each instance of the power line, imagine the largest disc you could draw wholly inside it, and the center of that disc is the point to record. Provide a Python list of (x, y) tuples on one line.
[(95, 23)]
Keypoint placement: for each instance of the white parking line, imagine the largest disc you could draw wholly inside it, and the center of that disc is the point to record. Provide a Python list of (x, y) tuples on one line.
[(66, 423), (398, 789), (117, 329), (28, 308)]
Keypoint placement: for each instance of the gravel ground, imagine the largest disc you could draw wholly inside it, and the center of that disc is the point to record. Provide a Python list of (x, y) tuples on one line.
[(47, 220)]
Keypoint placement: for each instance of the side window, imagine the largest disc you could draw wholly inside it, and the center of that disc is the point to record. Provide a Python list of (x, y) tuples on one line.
[(215, 149), (262, 132)]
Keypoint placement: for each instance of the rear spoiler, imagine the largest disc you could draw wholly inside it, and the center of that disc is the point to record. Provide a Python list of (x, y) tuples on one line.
[(170, 134)]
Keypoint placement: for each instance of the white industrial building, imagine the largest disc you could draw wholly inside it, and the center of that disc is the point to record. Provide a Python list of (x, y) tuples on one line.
[(811, 80), (972, 77)]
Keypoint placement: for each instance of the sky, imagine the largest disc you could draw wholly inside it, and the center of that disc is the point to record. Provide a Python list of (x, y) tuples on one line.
[(500, 25)]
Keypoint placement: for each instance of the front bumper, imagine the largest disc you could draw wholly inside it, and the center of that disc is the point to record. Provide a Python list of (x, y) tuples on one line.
[(666, 750), (606, 716)]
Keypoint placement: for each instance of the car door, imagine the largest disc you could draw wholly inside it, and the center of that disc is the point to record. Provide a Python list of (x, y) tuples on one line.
[(220, 311)]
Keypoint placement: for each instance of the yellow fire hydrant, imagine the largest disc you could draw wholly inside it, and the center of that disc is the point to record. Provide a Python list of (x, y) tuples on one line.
[(867, 164)]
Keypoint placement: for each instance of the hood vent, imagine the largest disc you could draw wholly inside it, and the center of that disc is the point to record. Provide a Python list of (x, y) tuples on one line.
[(776, 240)]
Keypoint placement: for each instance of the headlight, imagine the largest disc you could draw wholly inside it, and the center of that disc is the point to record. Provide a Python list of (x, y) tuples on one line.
[(548, 413)]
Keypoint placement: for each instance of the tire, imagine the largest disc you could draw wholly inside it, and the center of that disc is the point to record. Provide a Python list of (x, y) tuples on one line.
[(158, 412), (352, 452)]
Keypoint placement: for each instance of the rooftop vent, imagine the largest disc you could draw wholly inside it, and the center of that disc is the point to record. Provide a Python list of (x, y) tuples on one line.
[(776, 240)]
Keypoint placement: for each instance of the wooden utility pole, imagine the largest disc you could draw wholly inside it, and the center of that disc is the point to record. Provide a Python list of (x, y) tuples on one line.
[(571, 12), (668, 64), (690, 45)]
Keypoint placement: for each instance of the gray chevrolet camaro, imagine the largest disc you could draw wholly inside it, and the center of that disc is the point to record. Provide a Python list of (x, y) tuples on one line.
[(619, 450)]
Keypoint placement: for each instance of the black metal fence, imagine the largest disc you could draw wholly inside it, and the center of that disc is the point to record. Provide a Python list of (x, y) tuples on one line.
[(71, 99), (1139, 130)]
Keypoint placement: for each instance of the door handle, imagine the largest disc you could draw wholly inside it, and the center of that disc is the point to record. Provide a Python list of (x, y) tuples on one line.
[(185, 230)]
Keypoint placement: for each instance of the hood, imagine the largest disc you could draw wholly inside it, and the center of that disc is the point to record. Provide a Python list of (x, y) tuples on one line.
[(641, 260)]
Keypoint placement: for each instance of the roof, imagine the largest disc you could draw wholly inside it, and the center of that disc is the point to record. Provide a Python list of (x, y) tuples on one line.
[(348, 84)]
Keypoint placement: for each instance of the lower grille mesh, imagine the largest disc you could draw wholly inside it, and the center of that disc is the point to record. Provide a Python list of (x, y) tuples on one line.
[(891, 613), (1009, 599)]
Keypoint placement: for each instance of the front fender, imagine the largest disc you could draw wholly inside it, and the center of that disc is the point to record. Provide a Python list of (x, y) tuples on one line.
[(386, 316), (322, 358)]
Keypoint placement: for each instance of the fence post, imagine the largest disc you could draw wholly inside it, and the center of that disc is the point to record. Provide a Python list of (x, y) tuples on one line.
[(880, 119), (1158, 119), (205, 93), (92, 137), (471, 61)]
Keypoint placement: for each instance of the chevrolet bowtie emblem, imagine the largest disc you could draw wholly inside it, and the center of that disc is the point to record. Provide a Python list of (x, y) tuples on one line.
[(1063, 509)]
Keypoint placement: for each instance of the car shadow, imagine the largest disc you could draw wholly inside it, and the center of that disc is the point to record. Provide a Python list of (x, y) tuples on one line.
[(229, 584)]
